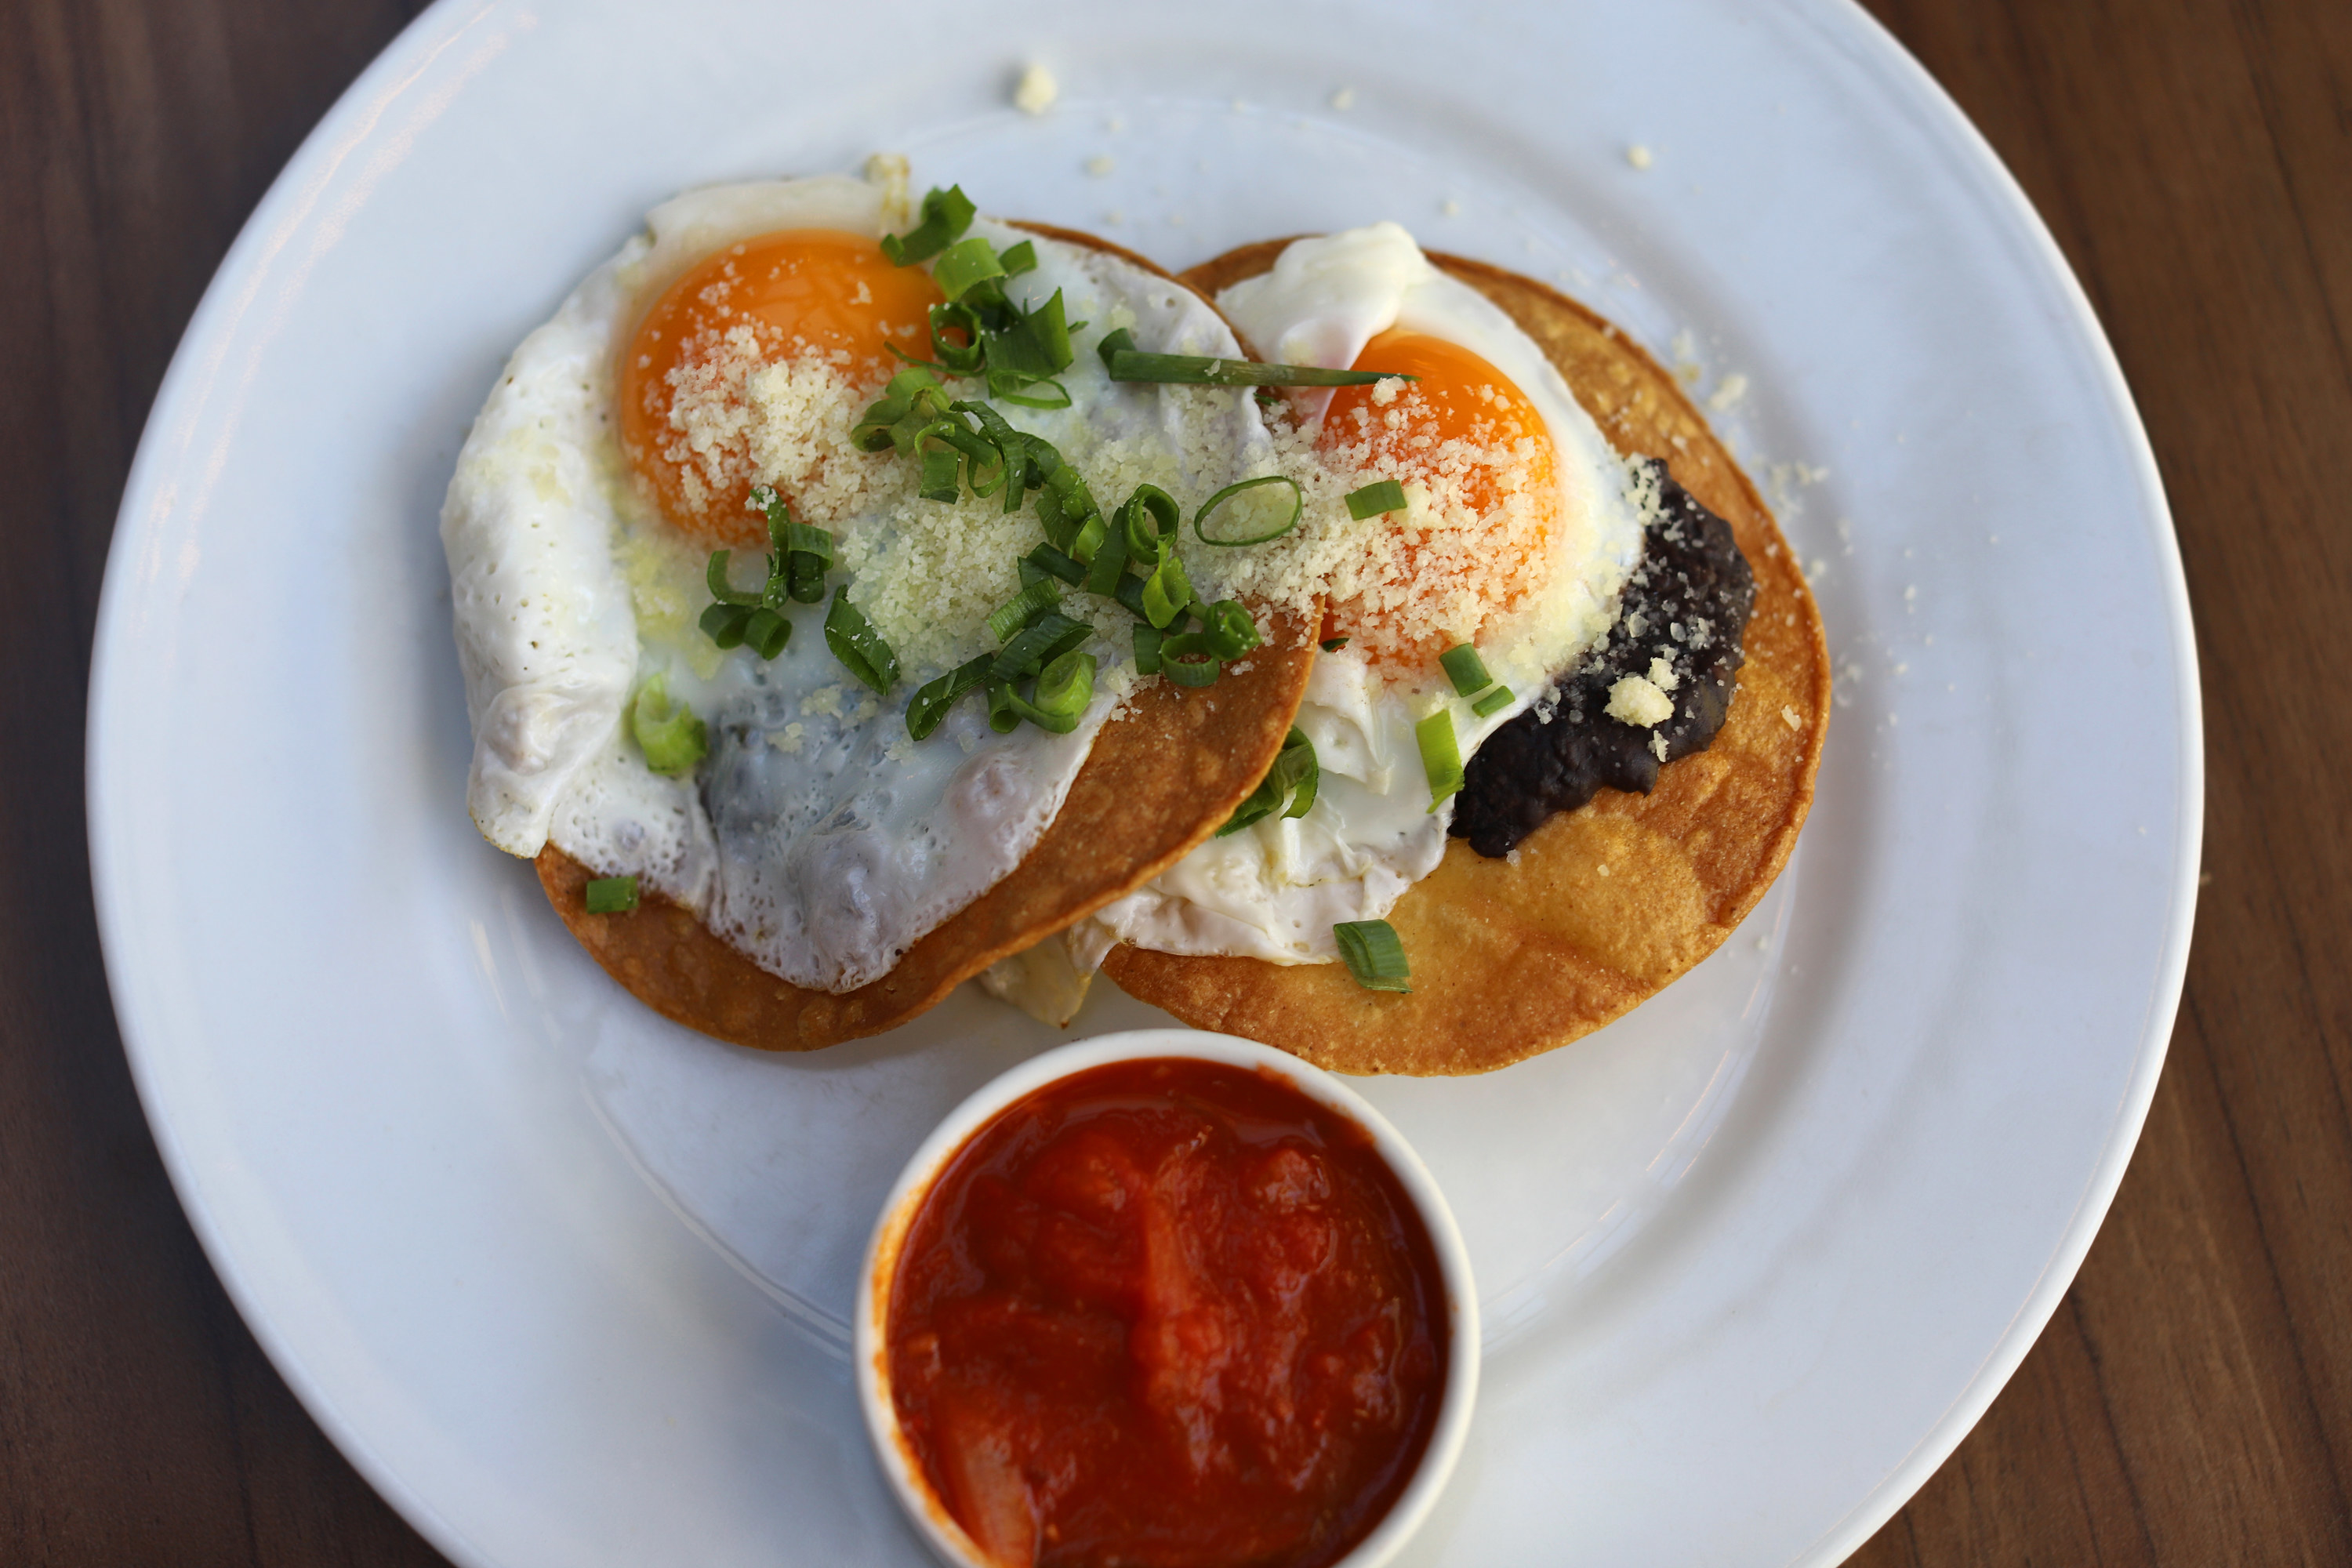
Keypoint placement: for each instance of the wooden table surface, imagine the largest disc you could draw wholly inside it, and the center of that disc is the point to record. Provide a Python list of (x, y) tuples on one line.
[(2191, 1400)]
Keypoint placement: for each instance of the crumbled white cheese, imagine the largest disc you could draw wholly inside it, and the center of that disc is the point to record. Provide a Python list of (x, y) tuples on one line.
[(1638, 701), (1661, 674), (1639, 156), (1036, 92), (1344, 100), (1101, 166), (1791, 718)]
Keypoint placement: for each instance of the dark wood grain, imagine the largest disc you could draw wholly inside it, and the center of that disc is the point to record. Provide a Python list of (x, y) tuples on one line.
[(2191, 1400)]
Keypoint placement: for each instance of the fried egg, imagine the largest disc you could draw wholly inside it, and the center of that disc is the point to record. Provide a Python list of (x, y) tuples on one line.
[(733, 344), (1519, 531)]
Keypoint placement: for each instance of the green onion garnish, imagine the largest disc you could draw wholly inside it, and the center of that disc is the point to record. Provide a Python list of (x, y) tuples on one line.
[(1384, 495), (1494, 702), (1063, 691), (963, 264), (1020, 258), (1051, 635), (1202, 370), (1441, 755), (1002, 717), (1021, 609), (932, 702), (1045, 558), (612, 895), (1113, 344), (1148, 638), (860, 649), (765, 632), (1130, 593), (1466, 669), (1333, 645), (1374, 954), (946, 215), (1168, 592), (723, 624), (1297, 505), (726, 592), (1186, 670), (1293, 778), (669, 734), (1230, 631)]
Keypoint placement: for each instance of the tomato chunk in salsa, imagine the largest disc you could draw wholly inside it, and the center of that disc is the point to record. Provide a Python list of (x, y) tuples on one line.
[(1166, 1313)]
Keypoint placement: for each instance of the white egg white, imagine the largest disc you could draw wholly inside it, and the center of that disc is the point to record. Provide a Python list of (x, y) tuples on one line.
[(816, 837)]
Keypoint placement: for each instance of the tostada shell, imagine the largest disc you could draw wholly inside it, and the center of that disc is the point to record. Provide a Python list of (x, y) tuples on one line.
[(1602, 907)]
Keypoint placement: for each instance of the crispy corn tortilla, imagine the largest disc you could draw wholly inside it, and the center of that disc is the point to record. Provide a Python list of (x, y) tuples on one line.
[(1603, 906), (1163, 775)]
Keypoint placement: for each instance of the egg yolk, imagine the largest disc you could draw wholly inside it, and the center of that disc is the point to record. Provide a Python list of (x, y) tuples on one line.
[(1467, 435), (684, 415)]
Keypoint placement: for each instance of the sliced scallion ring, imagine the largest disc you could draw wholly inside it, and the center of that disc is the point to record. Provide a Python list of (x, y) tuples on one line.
[(1466, 669), (1167, 591), (946, 215), (1441, 755), (932, 702), (862, 650), (1374, 954), (1298, 506), (669, 734), (1018, 611), (1494, 702), (611, 895), (1373, 500)]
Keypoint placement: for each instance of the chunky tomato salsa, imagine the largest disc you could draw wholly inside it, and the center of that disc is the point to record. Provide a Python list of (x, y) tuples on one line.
[(1166, 1313)]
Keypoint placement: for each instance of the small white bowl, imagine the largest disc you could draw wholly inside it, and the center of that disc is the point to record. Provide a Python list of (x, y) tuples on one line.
[(928, 1511)]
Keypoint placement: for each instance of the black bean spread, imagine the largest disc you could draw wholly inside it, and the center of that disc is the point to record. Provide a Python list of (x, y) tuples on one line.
[(1687, 602)]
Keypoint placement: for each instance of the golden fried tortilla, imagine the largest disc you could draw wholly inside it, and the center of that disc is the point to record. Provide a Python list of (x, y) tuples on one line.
[(1163, 774), (1603, 906)]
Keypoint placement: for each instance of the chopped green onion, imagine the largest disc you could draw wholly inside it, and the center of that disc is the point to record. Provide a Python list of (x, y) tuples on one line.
[(1230, 631), (1020, 258), (1466, 669), (1035, 344), (1385, 496), (1148, 638), (669, 734), (715, 575), (932, 702), (1051, 635), (946, 215), (1009, 388), (1494, 702), (1333, 645), (612, 895), (1297, 505), (1045, 558), (1107, 568), (1186, 671), (1063, 693), (860, 649), (1168, 590), (723, 624), (1441, 755), (808, 554), (1202, 370), (1021, 609), (1374, 954), (963, 264), (1130, 593), (942, 474), (765, 632), (1114, 344), (1293, 778), (1089, 540), (1149, 518), (1065, 504), (1002, 717)]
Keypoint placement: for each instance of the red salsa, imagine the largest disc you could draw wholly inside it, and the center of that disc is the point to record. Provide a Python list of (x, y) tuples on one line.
[(1166, 1313)]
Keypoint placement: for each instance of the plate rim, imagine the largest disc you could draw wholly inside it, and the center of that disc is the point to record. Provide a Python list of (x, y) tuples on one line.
[(284, 206)]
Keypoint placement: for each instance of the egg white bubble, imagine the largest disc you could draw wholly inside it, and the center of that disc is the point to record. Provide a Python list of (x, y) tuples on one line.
[(1275, 889), (816, 837)]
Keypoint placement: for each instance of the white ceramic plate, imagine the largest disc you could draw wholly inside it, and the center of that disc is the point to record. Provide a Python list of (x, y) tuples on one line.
[(570, 1285)]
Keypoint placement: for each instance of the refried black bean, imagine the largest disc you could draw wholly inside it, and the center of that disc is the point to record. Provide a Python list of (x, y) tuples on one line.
[(1687, 602)]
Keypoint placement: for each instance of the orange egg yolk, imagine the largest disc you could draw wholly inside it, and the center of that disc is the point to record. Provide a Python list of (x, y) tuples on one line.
[(779, 297), (1466, 433)]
